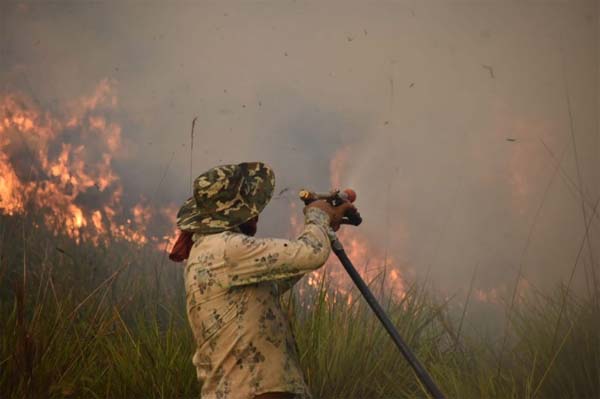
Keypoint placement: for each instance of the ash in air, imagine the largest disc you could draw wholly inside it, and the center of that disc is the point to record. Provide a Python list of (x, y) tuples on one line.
[(469, 130)]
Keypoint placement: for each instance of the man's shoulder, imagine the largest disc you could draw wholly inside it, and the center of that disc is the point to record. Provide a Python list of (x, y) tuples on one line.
[(236, 240), (235, 244)]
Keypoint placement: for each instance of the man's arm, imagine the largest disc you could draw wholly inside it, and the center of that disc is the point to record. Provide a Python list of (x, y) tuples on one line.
[(254, 260)]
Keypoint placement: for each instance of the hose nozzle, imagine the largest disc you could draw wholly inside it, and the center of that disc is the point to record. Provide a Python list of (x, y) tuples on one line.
[(335, 198), (332, 196)]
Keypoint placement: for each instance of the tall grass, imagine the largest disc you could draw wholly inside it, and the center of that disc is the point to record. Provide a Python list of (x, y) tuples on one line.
[(95, 322)]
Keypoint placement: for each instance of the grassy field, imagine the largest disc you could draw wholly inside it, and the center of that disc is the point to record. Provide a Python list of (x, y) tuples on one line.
[(79, 321)]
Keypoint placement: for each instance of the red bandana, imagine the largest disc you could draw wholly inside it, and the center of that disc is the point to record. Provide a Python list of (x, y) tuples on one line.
[(183, 246)]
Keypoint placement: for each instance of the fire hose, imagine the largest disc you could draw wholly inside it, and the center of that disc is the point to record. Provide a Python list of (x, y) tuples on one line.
[(335, 198)]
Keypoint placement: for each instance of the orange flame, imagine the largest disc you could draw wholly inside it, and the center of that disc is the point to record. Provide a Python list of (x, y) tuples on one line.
[(371, 262), (60, 166)]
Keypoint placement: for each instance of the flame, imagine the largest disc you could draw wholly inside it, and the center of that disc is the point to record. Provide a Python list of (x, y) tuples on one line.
[(520, 162), (372, 262), (59, 165), (11, 198), (503, 293), (169, 212), (337, 165), (488, 296)]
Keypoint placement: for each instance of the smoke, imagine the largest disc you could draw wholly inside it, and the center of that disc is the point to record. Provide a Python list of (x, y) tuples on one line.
[(455, 117)]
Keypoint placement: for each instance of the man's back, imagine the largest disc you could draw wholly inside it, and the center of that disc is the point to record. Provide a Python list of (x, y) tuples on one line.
[(233, 282)]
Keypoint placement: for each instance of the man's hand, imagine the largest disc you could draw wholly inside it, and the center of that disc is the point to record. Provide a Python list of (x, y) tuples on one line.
[(336, 214)]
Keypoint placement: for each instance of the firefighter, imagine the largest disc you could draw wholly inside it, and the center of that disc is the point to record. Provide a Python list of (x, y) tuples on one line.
[(245, 348)]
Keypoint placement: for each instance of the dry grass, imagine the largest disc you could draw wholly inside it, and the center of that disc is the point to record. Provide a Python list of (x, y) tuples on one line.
[(81, 321)]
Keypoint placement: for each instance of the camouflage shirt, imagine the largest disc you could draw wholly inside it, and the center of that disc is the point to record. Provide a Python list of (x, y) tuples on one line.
[(233, 282)]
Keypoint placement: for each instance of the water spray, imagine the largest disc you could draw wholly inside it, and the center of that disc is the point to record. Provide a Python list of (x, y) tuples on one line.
[(336, 198)]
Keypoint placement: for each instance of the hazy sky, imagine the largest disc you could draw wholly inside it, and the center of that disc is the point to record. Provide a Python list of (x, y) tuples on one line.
[(453, 115)]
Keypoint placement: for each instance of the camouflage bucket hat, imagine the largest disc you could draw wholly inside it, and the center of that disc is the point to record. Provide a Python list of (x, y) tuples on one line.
[(227, 196)]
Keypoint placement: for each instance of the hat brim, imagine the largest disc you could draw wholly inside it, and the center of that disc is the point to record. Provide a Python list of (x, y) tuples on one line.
[(260, 180)]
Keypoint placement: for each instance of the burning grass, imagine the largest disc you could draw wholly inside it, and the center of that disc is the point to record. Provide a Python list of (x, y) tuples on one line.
[(61, 164), (94, 321)]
